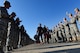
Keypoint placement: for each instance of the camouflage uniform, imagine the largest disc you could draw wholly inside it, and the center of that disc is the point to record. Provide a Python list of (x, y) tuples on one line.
[(11, 32), (3, 26), (63, 32), (59, 33), (16, 34), (22, 34), (77, 16), (54, 34), (74, 28), (67, 31)]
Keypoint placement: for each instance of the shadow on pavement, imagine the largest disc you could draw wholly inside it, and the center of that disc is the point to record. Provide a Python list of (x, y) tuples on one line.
[(53, 47), (66, 51)]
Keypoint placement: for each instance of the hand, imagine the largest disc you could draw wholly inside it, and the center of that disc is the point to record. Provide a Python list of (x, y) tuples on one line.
[(10, 16)]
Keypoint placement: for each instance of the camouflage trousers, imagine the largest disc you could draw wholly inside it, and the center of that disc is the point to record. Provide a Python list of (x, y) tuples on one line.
[(3, 32), (74, 32)]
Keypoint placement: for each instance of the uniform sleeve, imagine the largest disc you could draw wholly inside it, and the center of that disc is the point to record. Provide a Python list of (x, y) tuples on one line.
[(4, 13), (78, 15), (69, 22)]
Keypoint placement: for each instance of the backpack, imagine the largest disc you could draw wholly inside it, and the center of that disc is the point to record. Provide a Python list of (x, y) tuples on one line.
[(35, 37)]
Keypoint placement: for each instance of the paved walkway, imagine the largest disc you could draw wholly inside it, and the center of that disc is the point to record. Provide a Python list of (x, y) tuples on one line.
[(50, 48)]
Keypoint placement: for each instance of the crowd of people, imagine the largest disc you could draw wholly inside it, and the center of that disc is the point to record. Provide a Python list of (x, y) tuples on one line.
[(42, 34), (67, 31), (64, 31), (12, 34)]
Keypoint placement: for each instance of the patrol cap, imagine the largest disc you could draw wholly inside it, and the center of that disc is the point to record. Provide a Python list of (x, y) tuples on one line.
[(40, 23), (17, 19), (65, 19), (70, 14), (76, 9), (7, 2), (13, 13), (61, 22)]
